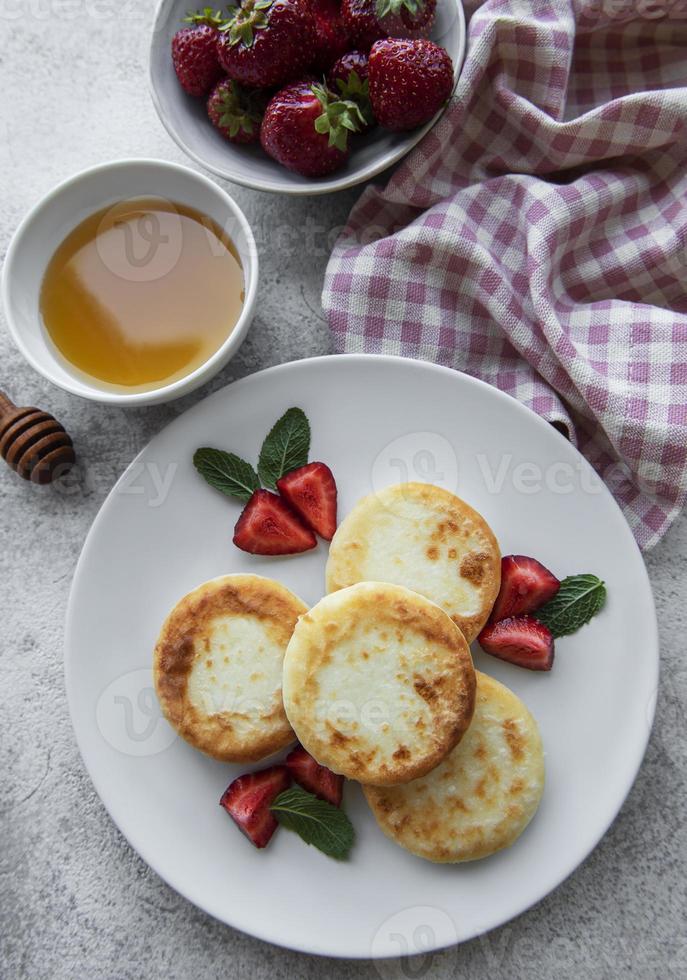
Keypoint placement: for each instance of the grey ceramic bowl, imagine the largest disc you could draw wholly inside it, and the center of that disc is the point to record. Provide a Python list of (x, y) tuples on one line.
[(186, 121)]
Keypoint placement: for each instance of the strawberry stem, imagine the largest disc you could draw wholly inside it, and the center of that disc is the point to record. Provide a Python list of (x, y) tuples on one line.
[(394, 7), (357, 90), (213, 18), (339, 117), (251, 16), (239, 108)]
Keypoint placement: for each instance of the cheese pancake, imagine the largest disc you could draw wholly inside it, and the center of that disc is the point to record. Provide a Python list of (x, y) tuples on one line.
[(481, 797), (378, 683), (218, 666), (423, 537)]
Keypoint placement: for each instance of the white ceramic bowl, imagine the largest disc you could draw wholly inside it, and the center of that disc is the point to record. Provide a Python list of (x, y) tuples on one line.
[(186, 120), (48, 223)]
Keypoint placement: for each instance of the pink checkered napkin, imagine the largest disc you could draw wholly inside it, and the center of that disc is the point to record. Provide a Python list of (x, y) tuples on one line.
[(536, 237)]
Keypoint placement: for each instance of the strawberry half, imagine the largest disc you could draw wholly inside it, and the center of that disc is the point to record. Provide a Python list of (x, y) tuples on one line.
[(311, 490), (268, 526), (317, 779), (248, 799), (521, 640), (525, 586)]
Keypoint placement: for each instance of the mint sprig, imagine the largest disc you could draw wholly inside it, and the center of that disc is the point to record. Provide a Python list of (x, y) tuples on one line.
[(285, 448), (578, 600), (317, 822), (226, 472)]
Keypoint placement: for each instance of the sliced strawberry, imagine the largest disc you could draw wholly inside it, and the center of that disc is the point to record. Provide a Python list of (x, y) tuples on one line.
[(315, 778), (248, 799), (311, 490), (520, 640), (525, 586), (268, 526)]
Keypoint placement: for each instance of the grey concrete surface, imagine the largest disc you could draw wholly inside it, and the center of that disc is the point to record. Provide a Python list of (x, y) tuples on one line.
[(75, 901)]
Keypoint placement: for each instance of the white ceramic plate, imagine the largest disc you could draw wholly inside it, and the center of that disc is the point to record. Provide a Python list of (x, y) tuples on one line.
[(162, 531), (186, 121)]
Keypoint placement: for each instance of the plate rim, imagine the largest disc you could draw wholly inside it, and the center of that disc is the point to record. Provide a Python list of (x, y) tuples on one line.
[(513, 909)]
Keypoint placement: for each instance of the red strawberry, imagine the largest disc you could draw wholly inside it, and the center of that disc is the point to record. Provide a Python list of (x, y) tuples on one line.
[(348, 79), (356, 61), (248, 799), (306, 129), (332, 37), (267, 42), (409, 82), (520, 640), (194, 56), (268, 526), (525, 586), (317, 779), (370, 20), (236, 112), (311, 490)]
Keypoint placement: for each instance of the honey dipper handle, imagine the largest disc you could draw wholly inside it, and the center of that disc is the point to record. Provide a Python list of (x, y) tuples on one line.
[(6, 406)]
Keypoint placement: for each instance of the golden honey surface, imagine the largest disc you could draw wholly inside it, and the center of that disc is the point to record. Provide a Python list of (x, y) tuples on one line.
[(142, 293)]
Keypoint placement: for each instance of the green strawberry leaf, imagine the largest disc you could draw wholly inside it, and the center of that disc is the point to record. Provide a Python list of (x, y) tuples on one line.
[(578, 600), (395, 7), (245, 20), (339, 117), (226, 472), (357, 91), (317, 822), (207, 15), (285, 448)]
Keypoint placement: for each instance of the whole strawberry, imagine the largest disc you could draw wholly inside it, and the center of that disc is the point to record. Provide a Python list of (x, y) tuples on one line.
[(409, 82), (371, 20), (236, 112), (332, 37), (347, 78), (356, 61), (267, 42), (194, 53), (305, 128)]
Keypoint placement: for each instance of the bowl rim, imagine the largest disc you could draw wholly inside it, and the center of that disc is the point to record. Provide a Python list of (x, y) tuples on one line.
[(320, 186), (188, 382)]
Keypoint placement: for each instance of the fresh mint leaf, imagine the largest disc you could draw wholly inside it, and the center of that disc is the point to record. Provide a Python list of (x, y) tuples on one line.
[(226, 472), (317, 822), (285, 448), (579, 598)]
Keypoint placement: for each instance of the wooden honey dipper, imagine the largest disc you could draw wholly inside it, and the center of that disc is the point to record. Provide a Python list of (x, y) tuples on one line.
[(33, 443)]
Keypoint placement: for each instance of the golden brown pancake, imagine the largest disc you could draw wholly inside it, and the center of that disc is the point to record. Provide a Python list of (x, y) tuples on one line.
[(218, 666), (481, 797), (423, 537), (378, 683)]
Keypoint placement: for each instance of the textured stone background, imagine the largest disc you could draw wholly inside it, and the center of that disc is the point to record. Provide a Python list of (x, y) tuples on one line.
[(75, 901)]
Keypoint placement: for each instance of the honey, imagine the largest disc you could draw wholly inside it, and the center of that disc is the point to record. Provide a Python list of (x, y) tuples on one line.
[(142, 293)]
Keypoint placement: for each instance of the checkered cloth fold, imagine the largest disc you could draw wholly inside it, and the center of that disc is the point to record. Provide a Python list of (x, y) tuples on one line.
[(536, 237)]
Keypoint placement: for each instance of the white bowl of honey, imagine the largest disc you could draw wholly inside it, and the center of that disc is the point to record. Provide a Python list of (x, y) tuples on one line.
[(132, 283)]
